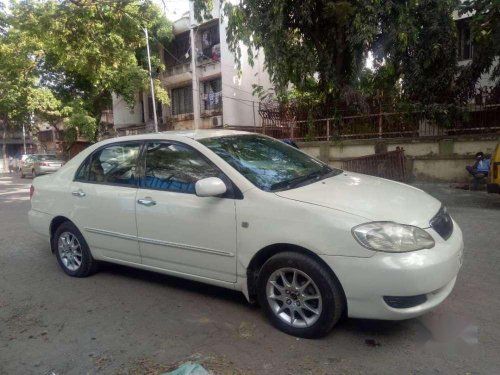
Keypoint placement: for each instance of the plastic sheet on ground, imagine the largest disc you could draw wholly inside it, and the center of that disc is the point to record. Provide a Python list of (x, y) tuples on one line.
[(189, 368)]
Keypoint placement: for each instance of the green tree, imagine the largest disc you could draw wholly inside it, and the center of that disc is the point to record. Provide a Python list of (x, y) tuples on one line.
[(89, 49), (305, 41), (320, 46), (20, 97), (417, 45)]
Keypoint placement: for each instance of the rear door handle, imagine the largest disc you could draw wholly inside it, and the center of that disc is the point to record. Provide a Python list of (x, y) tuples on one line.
[(78, 193), (148, 202)]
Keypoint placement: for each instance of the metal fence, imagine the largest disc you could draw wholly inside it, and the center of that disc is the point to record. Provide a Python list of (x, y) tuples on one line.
[(480, 116), (474, 120), (390, 165)]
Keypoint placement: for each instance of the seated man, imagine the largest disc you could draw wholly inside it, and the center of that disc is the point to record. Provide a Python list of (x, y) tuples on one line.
[(479, 170)]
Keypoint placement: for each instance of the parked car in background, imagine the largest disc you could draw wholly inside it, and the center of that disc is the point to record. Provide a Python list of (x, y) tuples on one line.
[(38, 164), (493, 181), (21, 160), (243, 211)]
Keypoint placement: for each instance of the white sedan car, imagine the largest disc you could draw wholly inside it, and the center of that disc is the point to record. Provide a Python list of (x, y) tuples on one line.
[(243, 211)]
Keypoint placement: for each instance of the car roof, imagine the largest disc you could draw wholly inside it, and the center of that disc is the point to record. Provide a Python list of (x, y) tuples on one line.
[(191, 134), (204, 133)]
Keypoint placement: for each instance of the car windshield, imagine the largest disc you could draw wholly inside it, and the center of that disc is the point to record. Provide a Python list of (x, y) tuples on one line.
[(269, 164)]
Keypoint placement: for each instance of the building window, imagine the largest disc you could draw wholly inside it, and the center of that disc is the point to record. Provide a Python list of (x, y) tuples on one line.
[(46, 136), (211, 95), (210, 44), (176, 51), (182, 100), (159, 115), (465, 47)]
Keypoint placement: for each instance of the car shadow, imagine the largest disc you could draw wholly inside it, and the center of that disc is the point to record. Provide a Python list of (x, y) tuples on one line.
[(378, 328), (370, 330), (191, 286)]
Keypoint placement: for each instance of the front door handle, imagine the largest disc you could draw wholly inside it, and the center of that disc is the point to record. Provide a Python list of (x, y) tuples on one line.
[(78, 193), (148, 202)]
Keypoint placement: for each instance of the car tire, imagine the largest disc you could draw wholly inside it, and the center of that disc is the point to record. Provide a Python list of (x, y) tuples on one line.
[(306, 278), (33, 173), (72, 252)]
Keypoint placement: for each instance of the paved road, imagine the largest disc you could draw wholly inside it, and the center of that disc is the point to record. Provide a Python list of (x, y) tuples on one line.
[(131, 322)]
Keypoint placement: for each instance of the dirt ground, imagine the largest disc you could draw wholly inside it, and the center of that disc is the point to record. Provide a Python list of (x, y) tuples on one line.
[(125, 321)]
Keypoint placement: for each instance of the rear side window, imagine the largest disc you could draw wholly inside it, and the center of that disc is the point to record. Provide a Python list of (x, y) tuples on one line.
[(175, 167), (83, 171), (113, 164)]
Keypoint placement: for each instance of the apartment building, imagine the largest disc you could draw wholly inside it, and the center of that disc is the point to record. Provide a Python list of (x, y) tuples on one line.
[(205, 87), (465, 47)]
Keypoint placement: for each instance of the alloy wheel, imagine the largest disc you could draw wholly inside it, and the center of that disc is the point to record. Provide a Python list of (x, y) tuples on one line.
[(70, 251), (294, 297)]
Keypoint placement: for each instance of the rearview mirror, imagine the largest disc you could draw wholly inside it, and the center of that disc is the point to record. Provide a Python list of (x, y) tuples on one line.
[(210, 187)]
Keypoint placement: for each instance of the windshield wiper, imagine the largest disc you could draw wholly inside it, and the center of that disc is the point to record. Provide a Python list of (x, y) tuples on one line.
[(294, 182)]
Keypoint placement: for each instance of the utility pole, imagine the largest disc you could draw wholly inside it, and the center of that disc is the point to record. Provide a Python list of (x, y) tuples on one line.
[(196, 86), (151, 81), (24, 138)]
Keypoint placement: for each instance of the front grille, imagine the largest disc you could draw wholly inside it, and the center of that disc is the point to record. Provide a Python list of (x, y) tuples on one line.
[(442, 223), (405, 302)]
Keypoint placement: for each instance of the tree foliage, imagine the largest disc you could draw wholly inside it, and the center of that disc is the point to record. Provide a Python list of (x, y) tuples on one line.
[(319, 47), (20, 96), (86, 49), (417, 44), (306, 43)]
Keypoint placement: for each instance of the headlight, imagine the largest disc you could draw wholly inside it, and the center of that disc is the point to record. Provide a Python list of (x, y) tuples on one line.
[(392, 237)]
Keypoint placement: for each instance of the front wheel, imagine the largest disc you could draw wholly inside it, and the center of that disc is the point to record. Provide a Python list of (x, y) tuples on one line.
[(299, 295)]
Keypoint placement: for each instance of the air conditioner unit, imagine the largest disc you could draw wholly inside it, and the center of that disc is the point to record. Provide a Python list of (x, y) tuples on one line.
[(217, 122)]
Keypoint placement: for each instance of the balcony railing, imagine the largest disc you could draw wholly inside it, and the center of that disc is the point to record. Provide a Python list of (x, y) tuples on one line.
[(211, 102), (178, 69)]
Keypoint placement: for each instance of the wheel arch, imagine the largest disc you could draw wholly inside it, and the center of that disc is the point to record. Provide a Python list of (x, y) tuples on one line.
[(54, 224), (267, 252)]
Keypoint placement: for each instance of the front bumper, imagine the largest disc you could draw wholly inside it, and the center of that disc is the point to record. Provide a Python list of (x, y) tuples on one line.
[(429, 272)]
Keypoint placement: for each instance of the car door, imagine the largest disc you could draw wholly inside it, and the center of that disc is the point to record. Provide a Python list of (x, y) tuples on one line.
[(178, 230), (103, 196)]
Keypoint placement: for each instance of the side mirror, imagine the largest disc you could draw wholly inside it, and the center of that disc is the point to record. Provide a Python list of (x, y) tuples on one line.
[(210, 187)]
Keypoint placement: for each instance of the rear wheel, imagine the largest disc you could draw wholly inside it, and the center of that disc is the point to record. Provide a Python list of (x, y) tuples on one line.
[(33, 173), (299, 295), (72, 251)]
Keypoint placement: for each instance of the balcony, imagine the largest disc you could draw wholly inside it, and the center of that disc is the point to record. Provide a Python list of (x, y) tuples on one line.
[(15, 137), (178, 60), (208, 52), (211, 104)]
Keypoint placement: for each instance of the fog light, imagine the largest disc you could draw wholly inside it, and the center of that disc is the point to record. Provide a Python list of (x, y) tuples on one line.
[(405, 302)]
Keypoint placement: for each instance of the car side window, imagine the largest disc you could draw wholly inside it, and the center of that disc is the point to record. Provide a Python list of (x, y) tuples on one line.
[(175, 167), (83, 172), (113, 164)]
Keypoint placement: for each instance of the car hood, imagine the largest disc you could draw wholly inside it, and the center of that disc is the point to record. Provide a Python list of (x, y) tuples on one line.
[(373, 198)]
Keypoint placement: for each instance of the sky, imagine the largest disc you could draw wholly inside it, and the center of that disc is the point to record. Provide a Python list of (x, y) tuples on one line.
[(173, 8)]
